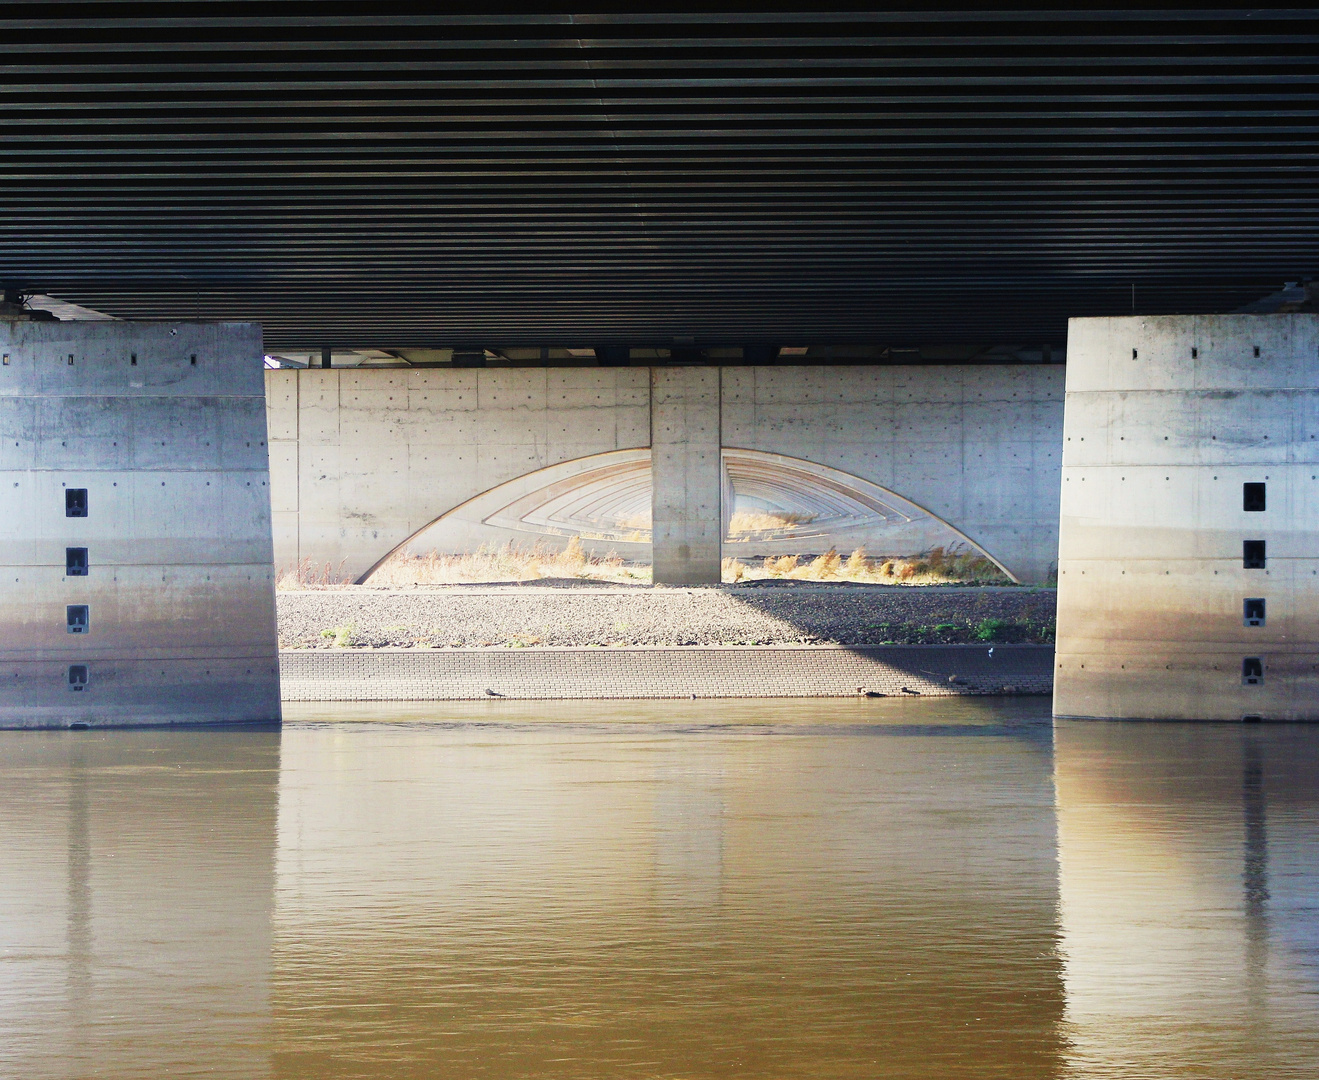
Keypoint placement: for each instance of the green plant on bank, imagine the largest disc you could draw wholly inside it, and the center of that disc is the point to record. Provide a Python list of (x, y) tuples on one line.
[(342, 636), (991, 629)]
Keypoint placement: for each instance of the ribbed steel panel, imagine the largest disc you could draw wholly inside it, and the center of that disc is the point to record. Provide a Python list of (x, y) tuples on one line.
[(487, 178)]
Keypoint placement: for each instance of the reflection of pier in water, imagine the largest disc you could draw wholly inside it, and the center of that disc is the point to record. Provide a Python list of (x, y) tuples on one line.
[(501, 896), (136, 884), (1184, 948)]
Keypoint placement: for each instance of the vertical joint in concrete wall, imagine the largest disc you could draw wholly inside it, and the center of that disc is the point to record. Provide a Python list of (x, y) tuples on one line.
[(686, 476)]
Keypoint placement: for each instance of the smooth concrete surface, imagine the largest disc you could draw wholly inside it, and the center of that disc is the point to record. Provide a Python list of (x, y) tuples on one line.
[(163, 425), (361, 460), (977, 445), (687, 515), (1166, 420)]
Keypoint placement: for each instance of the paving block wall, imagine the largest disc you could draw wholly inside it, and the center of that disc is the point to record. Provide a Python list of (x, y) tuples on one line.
[(663, 672)]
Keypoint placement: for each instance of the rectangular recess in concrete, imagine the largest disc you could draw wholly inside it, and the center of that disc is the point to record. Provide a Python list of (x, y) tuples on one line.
[(135, 543)]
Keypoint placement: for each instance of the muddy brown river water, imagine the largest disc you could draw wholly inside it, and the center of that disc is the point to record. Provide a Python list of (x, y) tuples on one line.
[(678, 890)]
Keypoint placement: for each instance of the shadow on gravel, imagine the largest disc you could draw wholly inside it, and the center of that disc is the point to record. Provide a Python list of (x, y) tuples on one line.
[(864, 614)]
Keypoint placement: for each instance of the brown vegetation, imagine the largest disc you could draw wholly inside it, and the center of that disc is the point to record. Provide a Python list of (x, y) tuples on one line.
[(310, 575), (510, 562), (937, 566), (748, 521), (534, 562)]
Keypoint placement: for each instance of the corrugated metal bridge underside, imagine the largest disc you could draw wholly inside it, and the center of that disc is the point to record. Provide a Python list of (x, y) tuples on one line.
[(491, 179)]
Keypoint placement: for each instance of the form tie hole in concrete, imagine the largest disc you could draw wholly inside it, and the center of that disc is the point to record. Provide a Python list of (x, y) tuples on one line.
[(1252, 611), (1253, 497), (1133, 354), (132, 360), (193, 360), (1256, 350), (1252, 671)]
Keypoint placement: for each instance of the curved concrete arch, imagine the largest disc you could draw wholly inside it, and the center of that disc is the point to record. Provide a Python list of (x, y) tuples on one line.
[(774, 505), (845, 511)]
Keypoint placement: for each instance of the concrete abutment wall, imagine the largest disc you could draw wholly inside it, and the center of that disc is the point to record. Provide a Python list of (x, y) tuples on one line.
[(363, 459)]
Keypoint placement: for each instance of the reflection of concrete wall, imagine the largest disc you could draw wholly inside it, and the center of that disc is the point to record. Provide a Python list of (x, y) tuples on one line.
[(136, 888), (1187, 879), (1166, 419), (570, 901), (363, 459), (164, 426)]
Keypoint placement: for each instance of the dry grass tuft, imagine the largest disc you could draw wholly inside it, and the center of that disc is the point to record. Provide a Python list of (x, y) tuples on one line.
[(933, 567), (752, 521), (310, 575), (530, 563), (780, 567), (507, 563), (825, 566)]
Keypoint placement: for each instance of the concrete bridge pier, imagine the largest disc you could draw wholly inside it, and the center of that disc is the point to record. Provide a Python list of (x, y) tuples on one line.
[(136, 578), (1188, 572), (687, 518)]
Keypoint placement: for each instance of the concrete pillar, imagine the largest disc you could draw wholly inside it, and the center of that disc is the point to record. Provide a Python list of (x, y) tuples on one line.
[(686, 475), (1188, 574), (136, 584)]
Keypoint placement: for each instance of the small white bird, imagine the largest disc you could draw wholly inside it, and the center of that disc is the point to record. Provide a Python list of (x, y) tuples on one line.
[(991, 653)]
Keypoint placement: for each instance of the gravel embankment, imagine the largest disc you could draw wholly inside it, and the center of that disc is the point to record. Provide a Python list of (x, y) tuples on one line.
[(746, 614)]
